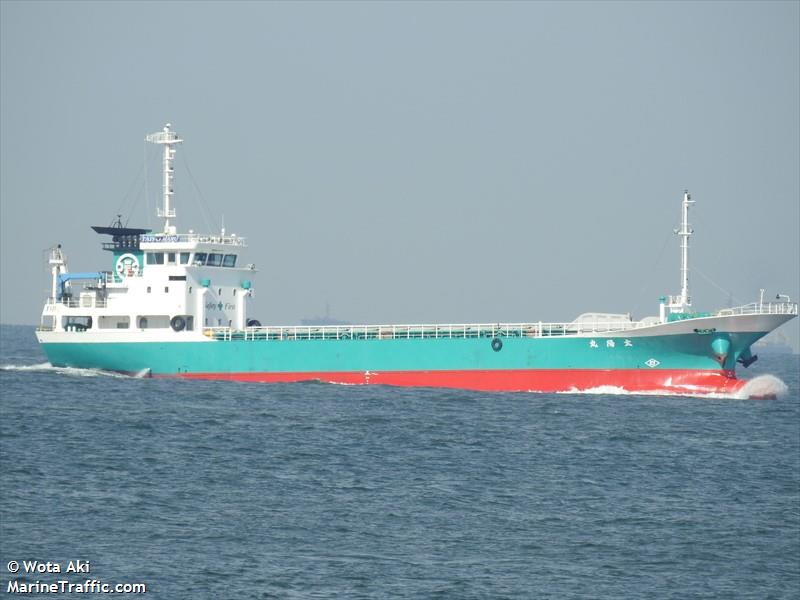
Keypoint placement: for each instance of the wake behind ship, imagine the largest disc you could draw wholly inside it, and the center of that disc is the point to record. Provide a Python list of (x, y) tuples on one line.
[(178, 305)]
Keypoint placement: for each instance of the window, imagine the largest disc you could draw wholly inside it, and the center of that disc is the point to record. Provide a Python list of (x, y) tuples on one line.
[(177, 277), (114, 322), (234, 291), (219, 292), (200, 258), (170, 258), (190, 289), (155, 258), (76, 323), (166, 289), (229, 260), (214, 260), (148, 289), (184, 258), (153, 321)]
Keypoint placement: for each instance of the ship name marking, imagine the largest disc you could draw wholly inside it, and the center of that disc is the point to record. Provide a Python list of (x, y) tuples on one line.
[(610, 343), (159, 238)]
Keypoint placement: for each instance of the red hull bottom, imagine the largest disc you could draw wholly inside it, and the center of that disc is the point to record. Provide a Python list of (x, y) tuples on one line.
[(681, 382)]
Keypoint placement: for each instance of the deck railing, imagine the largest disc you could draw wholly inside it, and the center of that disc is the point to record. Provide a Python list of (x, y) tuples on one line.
[(79, 302), (760, 308), (464, 330), (389, 332)]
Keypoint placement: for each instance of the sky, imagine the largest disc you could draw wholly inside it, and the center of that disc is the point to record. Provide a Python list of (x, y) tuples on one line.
[(414, 162)]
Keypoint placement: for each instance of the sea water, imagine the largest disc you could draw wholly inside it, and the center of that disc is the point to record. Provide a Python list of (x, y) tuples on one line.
[(228, 490)]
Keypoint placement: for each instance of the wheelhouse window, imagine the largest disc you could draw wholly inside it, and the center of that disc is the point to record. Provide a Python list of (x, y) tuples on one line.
[(200, 258), (154, 258), (214, 260), (184, 258), (170, 258), (229, 260)]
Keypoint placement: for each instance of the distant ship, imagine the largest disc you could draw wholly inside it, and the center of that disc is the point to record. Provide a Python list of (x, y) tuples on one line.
[(178, 305)]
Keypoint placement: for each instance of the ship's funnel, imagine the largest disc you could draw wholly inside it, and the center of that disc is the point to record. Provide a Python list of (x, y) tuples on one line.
[(721, 347)]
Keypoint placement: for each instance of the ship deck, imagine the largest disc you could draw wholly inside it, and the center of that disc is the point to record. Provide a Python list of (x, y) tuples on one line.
[(383, 332), (470, 330)]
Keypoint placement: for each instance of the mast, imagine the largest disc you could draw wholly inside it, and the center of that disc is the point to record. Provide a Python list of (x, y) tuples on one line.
[(685, 233), (57, 264), (168, 139)]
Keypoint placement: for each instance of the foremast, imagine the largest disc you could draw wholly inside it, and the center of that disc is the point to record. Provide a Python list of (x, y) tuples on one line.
[(169, 139), (685, 233), (682, 303)]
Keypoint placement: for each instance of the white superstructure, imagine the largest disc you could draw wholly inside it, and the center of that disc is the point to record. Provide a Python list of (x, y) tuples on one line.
[(161, 285)]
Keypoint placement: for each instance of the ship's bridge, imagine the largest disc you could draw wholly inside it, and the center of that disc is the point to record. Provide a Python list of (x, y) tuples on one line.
[(192, 250)]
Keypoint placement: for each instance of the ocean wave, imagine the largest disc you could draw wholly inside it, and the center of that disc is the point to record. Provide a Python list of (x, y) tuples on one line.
[(46, 367), (760, 387), (763, 386)]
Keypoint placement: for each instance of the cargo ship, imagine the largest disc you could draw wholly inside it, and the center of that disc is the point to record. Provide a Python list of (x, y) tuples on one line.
[(179, 305)]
